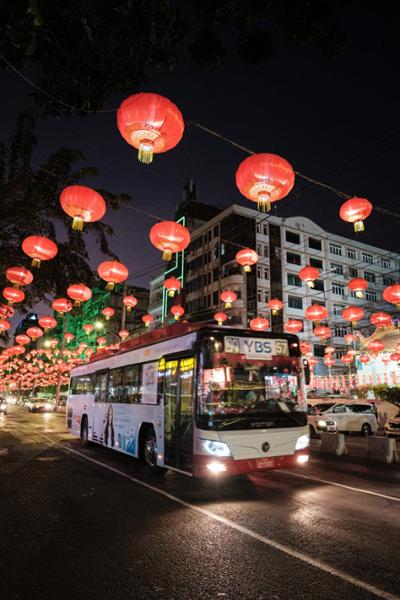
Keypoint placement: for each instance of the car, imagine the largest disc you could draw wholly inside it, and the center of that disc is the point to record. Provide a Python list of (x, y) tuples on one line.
[(3, 405), (39, 405), (352, 417), (317, 423), (392, 426)]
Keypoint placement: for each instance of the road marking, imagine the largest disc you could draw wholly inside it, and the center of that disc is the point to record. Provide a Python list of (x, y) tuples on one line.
[(341, 485), (267, 541)]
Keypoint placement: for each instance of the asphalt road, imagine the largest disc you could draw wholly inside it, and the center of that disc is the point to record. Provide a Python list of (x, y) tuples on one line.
[(89, 523)]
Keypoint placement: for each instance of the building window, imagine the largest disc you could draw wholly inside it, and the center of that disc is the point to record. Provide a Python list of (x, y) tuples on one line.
[(266, 296), (351, 253), (338, 308), (295, 302), (338, 269), (319, 285), (340, 351), (316, 262), (266, 274), (265, 251), (314, 244), (265, 229), (293, 259), (335, 249), (368, 258), (259, 296), (215, 298), (369, 276), (387, 280), (258, 227), (385, 263), (222, 249), (259, 272), (293, 279), (259, 249), (371, 296), (338, 289), (340, 330), (353, 272), (319, 350), (292, 238)]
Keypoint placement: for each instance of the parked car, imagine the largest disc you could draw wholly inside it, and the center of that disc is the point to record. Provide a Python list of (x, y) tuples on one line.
[(353, 417), (318, 423), (40, 405), (3, 405), (392, 426)]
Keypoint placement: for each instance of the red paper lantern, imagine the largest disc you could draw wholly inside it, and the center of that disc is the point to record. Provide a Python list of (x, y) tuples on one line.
[(275, 305), (6, 312), (130, 302), (347, 358), (259, 324), (322, 332), (61, 305), (101, 341), (4, 325), (147, 320), (69, 337), (22, 339), (313, 360), (19, 276), (123, 334), (108, 312), (79, 293), (316, 313), (293, 326), (349, 338), (364, 358), (13, 295), (358, 285), (353, 314), (112, 272), (177, 311), (228, 296), (169, 237), (247, 258), (376, 346), (329, 361), (83, 204), (172, 285), (305, 347), (150, 123), (309, 275), (381, 319), (39, 248), (329, 349), (356, 210), (220, 317), (47, 322), (395, 357), (34, 332), (264, 178), (88, 328), (392, 294)]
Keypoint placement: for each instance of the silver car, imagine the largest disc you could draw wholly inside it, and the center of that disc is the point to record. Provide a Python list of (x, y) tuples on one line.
[(353, 417)]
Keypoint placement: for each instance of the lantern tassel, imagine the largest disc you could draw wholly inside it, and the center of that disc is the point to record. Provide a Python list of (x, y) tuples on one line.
[(129, 308), (77, 223), (110, 286), (247, 268), (35, 263), (171, 293), (359, 226), (146, 150), (167, 255)]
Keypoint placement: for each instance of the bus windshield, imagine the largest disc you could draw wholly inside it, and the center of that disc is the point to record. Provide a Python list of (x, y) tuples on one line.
[(237, 392)]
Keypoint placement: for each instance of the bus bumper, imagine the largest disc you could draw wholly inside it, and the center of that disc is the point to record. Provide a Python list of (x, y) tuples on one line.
[(208, 466)]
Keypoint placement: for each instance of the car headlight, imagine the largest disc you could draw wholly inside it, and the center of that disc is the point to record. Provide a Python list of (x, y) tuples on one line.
[(48, 405), (215, 448), (302, 442), (321, 423), (3, 406)]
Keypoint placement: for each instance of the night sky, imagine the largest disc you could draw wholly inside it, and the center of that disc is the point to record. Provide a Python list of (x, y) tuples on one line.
[(335, 120)]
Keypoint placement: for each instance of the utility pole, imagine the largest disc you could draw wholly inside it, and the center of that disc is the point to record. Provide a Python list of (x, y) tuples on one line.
[(123, 308), (58, 384)]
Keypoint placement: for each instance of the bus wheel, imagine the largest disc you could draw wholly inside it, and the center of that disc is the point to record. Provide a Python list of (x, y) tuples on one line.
[(149, 453), (85, 433)]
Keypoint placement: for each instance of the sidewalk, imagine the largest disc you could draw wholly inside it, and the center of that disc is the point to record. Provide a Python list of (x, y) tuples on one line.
[(356, 453)]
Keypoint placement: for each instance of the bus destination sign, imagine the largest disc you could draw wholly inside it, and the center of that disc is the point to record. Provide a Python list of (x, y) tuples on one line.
[(256, 347)]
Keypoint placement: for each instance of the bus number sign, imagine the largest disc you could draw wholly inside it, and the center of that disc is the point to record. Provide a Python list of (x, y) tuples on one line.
[(256, 347)]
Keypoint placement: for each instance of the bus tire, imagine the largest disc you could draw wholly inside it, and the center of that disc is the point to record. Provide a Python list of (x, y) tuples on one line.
[(149, 452), (85, 432)]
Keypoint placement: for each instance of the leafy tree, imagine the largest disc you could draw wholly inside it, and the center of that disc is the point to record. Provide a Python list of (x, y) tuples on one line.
[(29, 204), (84, 52)]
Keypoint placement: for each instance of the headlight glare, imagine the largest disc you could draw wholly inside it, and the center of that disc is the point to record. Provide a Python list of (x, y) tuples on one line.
[(302, 442), (216, 448)]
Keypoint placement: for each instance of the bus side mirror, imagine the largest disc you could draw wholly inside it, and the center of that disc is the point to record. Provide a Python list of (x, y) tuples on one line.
[(307, 373)]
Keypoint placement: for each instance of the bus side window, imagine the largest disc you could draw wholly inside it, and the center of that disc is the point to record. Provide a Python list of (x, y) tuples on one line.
[(73, 385), (100, 390), (160, 381), (130, 389), (114, 388)]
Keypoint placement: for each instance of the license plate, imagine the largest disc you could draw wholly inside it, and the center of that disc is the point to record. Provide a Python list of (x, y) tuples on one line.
[(264, 463)]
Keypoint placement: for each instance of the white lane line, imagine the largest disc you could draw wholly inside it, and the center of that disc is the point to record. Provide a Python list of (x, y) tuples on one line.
[(267, 541), (341, 485)]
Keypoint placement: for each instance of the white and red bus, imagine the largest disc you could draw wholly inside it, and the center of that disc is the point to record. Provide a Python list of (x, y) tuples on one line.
[(197, 399)]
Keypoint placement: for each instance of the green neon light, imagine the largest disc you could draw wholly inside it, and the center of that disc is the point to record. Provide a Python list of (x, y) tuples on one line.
[(179, 262)]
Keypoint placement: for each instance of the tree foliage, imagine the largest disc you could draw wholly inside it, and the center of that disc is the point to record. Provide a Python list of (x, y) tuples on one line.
[(29, 204), (84, 52)]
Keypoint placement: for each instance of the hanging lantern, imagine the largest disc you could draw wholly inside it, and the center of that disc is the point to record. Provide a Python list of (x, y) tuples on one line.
[(356, 210), (358, 285), (83, 204), (108, 312), (112, 272), (220, 317), (353, 314), (392, 294), (265, 178), (39, 248), (228, 296), (6, 311), (376, 346), (309, 275), (147, 320), (259, 324), (305, 347), (381, 319), (172, 285), (364, 358), (88, 328), (4, 325), (329, 361), (347, 358), (19, 276), (395, 357), (177, 311), (150, 123), (47, 322), (169, 237), (61, 305), (352, 352), (22, 339), (69, 337), (34, 332), (316, 313), (13, 295), (313, 360), (130, 302), (293, 326), (79, 293), (18, 349), (349, 338), (275, 305), (123, 334), (246, 258), (101, 341), (329, 350), (322, 332)]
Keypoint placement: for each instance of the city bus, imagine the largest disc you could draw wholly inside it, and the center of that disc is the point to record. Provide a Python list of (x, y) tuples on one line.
[(198, 399)]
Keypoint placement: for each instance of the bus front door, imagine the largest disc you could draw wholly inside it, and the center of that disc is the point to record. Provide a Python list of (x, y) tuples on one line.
[(178, 411)]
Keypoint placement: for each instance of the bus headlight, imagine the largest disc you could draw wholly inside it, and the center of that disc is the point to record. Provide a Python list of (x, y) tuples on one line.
[(302, 442), (215, 448)]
